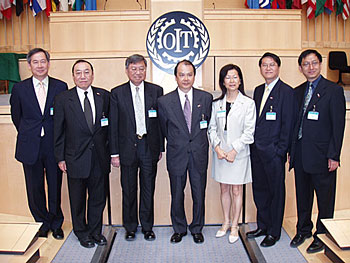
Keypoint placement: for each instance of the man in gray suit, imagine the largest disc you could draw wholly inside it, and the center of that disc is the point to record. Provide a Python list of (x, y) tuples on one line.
[(184, 116)]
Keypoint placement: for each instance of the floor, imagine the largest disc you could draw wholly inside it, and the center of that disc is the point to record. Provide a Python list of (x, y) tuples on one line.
[(52, 246)]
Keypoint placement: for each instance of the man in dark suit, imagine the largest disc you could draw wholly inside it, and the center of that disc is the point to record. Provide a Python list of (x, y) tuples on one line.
[(275, 108), (184, 116), (82, 151), (316, 146), (136, 144), (32, 114)]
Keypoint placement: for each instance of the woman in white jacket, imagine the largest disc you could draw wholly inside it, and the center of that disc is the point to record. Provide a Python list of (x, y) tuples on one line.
[(231, 130)]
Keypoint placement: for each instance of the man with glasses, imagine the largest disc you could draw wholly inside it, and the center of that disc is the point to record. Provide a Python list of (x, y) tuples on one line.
[(316, 146), (136, 144), (275, 107)]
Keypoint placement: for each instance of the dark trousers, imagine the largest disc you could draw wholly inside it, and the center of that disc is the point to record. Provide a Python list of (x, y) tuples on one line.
[(269, 192), (90, 190), (147, 171), (198, 183), (52, 218), (323, 184)]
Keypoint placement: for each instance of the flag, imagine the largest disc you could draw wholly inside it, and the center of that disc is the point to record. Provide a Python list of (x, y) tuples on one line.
[(264, 4), (48, 7), (346, 9), (37, 6), (19, 6), (253, 4), (5, 8), (64, 5), (91, 4), (339, 7), (319, 7), (311, 9), (329, 6), (54, 7)]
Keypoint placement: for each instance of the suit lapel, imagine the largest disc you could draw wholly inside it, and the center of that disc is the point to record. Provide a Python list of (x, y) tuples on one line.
[(259, 94), (50, 96), (179, 114), (148, 101), (196, 112), (98, 107), (77, 109), (128, 103), (316, 95)]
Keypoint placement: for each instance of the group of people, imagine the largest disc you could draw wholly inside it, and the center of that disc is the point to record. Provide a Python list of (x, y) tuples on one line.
[(84, 130)]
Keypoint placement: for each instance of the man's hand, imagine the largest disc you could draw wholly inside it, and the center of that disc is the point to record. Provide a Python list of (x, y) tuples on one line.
[(231, 156), (62, 166), (115, 161), (332, 165), (220, 152)]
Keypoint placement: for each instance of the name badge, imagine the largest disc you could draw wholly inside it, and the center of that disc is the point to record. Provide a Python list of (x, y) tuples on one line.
[(270, 116), (104, 122), (203, 124), (152, 113), (51, 111), (221, 114), (313, 115)]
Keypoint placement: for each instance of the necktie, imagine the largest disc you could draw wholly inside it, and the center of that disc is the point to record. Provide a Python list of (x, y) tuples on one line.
[(139, 114), (41, 97), (187, 113), (88, 112), (264, 98), (306, 103)]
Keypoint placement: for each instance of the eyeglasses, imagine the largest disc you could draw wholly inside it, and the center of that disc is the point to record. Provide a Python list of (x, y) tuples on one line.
[(308, 64), (271, 65)]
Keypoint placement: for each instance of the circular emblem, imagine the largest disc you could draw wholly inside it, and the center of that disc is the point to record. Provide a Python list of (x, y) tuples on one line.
[(176, 36)]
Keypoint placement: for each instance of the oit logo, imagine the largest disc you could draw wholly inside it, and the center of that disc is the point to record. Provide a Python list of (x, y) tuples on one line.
[(176, 36)]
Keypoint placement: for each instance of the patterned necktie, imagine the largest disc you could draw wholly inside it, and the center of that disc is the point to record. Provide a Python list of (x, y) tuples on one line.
[(187, 113), (139, 114), (41, 95), (88, 112), (264, 98), (306, 103)]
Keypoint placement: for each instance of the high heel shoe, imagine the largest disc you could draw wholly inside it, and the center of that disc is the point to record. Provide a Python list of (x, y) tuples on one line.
[(233, 237), (222, 231)]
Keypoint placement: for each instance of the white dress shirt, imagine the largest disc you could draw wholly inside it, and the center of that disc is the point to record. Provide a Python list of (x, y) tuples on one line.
[(90, 95), (183, 98)]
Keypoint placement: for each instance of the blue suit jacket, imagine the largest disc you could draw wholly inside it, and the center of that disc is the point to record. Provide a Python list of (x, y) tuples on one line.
[(180, 143), (28, 119), (322, 139), (274, 137)]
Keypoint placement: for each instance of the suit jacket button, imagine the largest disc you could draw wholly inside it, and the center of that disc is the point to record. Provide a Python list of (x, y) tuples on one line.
[(135, 144)]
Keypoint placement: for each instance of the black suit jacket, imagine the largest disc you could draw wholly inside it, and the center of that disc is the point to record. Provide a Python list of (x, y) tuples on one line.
[(123, 124), (322, 139), (179, 141), (274, 137), (28, 119), (72, 136)]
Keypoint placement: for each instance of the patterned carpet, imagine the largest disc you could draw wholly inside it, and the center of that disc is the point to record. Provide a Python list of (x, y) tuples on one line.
[(213, 250)]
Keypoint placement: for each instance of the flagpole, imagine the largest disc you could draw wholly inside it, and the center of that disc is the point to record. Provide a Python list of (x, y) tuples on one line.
[(13, 36), (5, 32), (42, 27), (27, 24), (20, 31)]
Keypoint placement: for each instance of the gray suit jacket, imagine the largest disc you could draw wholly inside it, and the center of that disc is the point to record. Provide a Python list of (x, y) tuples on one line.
[(181, 143)]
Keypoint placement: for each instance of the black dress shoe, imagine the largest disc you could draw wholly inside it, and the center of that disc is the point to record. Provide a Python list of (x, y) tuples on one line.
[(298, 239), (43, 233), (99, 239), (198, 238), (256, 233), (149, 235), (177, 237), (87, 242), (269, 241), (315, 246), (130, 236), (58, 233)]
